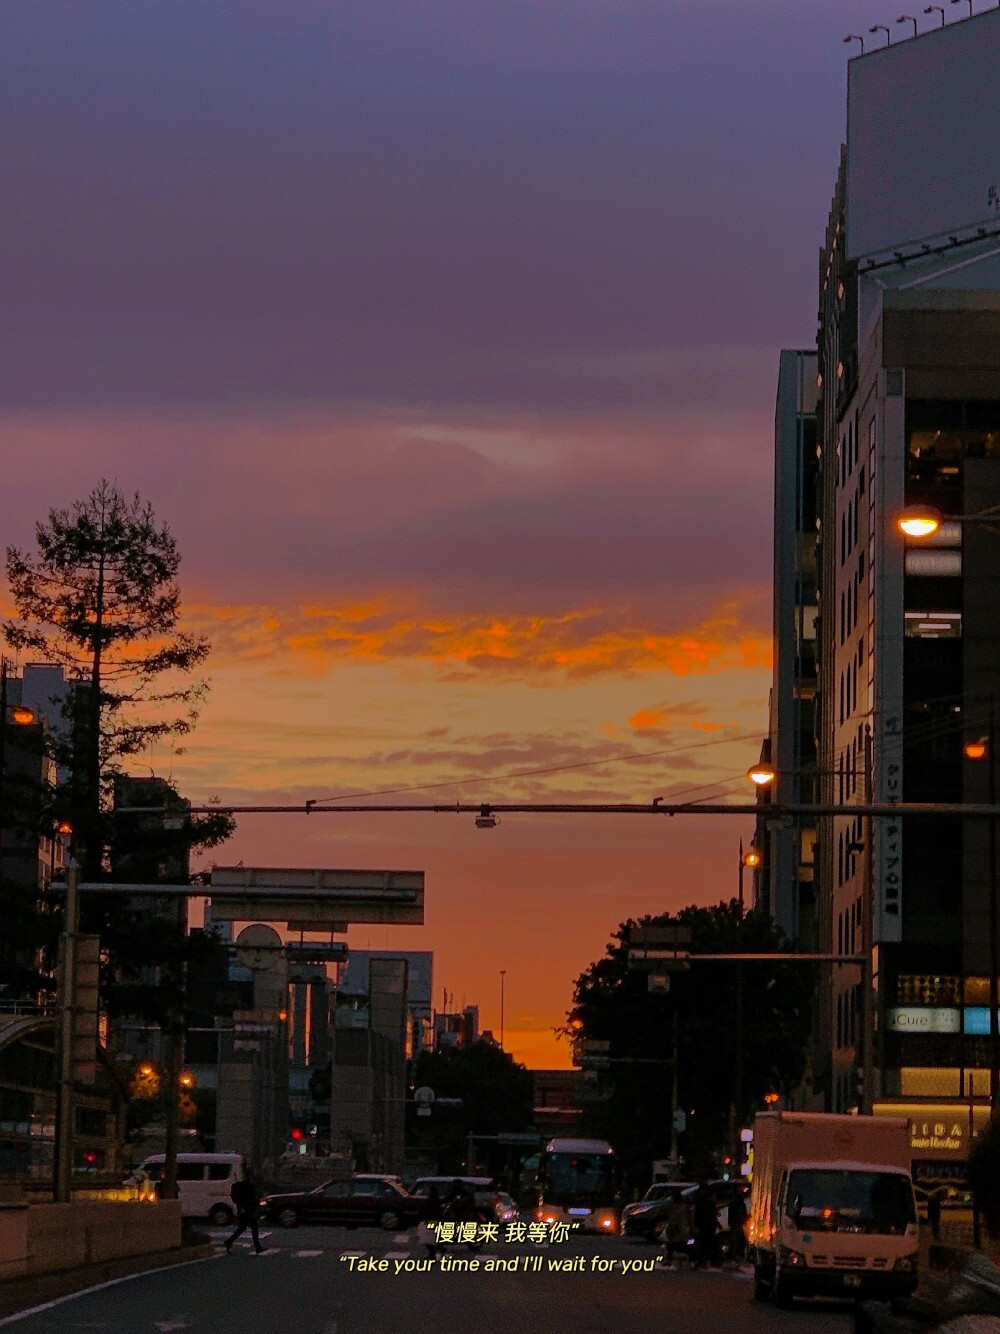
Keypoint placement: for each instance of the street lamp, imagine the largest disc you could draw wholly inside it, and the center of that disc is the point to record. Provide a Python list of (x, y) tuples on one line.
[(935, 9), (908, 18), (924, 520), (983, 748), (762, 774), (503, 975), (919, 521), (751, 857)]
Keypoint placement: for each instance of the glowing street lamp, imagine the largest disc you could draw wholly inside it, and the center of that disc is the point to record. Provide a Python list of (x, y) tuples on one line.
[(762, 774), (752, 856), (976, 750), (919, 521)]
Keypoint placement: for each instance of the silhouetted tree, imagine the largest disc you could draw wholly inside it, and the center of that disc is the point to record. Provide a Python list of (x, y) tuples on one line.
[(613, 1003)]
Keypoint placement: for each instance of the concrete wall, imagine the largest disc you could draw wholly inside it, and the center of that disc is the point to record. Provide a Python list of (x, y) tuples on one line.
[(46, 1238)]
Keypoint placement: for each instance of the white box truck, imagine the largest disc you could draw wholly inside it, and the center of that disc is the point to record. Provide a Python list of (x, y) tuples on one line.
[(832, 1211)]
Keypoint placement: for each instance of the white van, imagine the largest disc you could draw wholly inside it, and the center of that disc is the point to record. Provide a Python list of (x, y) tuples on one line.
[(204, 1181)]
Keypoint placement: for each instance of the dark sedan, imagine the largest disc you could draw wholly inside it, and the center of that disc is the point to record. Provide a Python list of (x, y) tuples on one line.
[(648, 1217), (363, 1201)]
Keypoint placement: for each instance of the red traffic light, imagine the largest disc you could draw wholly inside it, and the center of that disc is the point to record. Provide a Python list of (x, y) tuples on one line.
[(296, 1132)]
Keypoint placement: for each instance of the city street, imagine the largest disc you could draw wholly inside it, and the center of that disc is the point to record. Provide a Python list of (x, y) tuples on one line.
[(302, 1284)]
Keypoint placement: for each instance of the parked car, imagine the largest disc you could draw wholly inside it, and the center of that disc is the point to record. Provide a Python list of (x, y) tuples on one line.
[(648, 1216), (507, 1210), (483, 1191), (363, 1201), (204, 1181)]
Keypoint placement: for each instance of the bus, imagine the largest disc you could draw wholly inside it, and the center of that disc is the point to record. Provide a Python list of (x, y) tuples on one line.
[(578, 1183)]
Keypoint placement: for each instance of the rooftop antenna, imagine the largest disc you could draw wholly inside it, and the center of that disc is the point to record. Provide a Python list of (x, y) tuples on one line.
[(935, 9), (880, 27), (969, 2), (908, 18), (853, 37)]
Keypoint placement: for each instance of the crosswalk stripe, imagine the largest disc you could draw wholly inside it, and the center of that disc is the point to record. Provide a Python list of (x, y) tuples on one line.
[(402, 1237), (347, 1254), (306, 1255), (396, 1255)]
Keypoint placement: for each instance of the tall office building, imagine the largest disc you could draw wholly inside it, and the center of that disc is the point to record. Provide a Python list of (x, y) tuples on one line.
[(909, 634), (783, 883)]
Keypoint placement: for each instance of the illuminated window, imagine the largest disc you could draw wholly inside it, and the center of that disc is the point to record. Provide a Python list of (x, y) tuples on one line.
[(933, 624)]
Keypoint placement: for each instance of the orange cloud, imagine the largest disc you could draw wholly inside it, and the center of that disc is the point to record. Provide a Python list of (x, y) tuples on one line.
[(661, 717), (581, 643)]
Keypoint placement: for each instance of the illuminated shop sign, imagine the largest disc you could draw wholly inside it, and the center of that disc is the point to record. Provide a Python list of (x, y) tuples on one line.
[(977, 1020), (924, 1019)]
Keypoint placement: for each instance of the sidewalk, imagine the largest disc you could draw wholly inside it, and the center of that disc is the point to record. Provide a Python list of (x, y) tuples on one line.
[(19, 1293)]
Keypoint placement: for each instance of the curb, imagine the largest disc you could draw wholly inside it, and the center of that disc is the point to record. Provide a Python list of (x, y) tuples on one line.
[(18, 1293)]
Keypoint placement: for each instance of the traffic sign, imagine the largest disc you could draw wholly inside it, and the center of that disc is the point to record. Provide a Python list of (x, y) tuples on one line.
[(658, 934)]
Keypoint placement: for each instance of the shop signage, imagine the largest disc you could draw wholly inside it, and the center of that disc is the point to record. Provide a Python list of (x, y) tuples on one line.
[(923, 1019)]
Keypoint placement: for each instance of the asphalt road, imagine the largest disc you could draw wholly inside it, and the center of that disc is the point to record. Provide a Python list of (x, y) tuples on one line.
[(305, 1283)]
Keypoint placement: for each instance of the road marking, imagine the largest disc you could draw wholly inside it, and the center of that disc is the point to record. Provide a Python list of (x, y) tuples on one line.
[(99, 1287), (306, 1255), (396, 1255), (170, 1326), (347, 1254), (401, 1238)]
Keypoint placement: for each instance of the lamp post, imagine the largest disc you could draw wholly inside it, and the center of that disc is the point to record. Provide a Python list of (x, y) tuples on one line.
[(984, 748), (762, 775), (922, 521), (750, 857), (919, 522), (503, 974)]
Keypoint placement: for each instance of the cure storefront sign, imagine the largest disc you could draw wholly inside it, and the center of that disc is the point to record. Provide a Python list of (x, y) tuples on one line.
[(938, 1019), (923, 1019)]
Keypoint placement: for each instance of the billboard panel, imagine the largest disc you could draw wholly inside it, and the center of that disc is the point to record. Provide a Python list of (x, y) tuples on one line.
[(923, 137)]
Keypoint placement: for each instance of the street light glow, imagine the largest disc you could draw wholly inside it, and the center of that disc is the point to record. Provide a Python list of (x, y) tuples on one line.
[(919, 521), (761, 774), (752, 856), (976, 750), (22, 715)]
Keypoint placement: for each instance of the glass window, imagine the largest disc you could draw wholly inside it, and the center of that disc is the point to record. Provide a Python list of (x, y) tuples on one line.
[(850, 1201), (219, 1171), (368, 1187), (190, 1171), (337, 1190)]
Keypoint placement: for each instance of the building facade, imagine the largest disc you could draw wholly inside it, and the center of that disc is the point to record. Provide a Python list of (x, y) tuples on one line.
[(908, 663), (783, 883)]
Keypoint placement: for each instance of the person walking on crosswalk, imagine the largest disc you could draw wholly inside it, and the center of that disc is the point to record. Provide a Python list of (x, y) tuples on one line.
[(246, 1197)]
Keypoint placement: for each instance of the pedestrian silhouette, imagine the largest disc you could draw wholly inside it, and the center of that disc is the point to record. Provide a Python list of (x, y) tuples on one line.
[(246, 1197)]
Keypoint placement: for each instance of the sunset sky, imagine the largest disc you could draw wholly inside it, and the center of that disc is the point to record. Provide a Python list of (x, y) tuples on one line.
[(443, 334)]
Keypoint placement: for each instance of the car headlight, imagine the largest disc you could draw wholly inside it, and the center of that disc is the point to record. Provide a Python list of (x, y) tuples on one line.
[(906, 1264), (794, 1259)]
